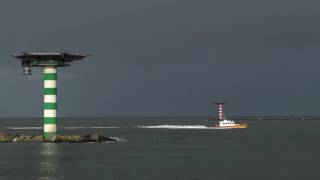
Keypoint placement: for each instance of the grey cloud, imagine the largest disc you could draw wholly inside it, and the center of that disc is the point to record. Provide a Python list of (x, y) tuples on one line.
[(152, 57)]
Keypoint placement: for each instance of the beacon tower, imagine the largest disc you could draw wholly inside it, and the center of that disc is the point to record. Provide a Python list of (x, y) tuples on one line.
[(220, 106), (50, 62)]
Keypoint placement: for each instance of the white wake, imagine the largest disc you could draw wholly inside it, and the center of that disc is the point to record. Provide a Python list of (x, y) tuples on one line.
[(98, 127), (179, 127), (22, 128)]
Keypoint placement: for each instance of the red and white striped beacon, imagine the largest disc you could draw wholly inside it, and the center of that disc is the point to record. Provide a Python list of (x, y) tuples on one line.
[(220, 106)]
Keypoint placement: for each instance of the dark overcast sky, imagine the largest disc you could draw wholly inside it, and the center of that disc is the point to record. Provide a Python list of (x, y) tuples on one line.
[(165, 57)]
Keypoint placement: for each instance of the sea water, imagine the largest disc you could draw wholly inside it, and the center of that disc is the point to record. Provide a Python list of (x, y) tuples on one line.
[(183, 148)]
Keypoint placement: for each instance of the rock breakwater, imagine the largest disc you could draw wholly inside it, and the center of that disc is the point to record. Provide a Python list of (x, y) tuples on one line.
[(97, 138)]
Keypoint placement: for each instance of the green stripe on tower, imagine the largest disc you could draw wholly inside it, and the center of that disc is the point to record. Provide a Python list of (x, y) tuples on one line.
[(50, 120), (49, 136), (50, 76), (50, 105), (50, 91)]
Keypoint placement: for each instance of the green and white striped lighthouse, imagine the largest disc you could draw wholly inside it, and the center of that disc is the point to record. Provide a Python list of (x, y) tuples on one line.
[(50, 62), (50, 103)]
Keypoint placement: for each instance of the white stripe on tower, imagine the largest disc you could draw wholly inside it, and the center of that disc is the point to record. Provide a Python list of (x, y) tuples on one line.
[(50, 84), (50, 98), (50, 128), (50, 69), (50, 113)]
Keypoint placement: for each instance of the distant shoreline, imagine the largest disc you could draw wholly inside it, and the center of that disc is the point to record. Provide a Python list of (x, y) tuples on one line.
[(257, 118), (211, 118)]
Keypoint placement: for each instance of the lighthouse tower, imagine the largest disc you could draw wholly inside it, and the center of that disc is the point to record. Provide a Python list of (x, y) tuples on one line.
[(220, 106), (50, 62)]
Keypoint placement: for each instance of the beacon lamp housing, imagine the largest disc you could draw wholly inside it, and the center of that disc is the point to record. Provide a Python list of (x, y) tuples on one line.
[(26, 68)]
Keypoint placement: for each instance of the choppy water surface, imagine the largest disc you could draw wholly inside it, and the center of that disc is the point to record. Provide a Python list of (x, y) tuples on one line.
[(166, 148)]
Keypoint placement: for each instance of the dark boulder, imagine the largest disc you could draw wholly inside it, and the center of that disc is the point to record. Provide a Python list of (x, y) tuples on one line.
[(94, 138)]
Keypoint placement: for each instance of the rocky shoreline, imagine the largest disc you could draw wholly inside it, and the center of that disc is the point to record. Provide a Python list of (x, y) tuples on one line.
[(96, 138)]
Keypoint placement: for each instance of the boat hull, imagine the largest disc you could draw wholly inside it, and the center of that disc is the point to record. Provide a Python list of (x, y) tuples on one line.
[(236, 126)]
